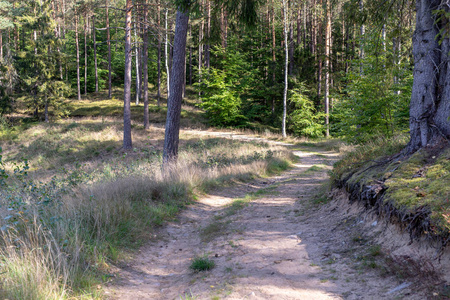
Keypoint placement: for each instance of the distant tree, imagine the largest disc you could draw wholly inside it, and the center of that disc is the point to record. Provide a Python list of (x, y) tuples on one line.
[(42, 75), (127, 143)]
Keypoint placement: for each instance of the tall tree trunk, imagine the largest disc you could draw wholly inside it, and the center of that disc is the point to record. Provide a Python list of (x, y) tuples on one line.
[(78, 56), (200, 50), (46, 108), (108, 40), (327, 67), (127, 143), (136, 49), (274, 58), (299, 24), (291, 49), (158, 18), (286, 65), (171, 139), (95, 54), (361, 47), (85, 52), (190, 58), (167, 54), (145, 68), (430, 107), (1, 45), (57, 35), (383, 38), (208, 34)]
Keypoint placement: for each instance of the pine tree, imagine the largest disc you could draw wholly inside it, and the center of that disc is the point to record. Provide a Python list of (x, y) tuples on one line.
[(41, 74)]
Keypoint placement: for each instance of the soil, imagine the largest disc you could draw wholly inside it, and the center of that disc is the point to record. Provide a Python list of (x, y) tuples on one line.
[(289, 242)]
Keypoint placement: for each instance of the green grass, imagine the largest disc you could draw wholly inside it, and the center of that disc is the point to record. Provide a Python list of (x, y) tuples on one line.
[(202, 263), (99, 203)]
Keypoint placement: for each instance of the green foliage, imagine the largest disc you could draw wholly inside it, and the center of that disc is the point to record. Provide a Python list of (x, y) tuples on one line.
[(40, 60), (303, 119), (222, 88), (202, 263), (221, 103), (376, 102)]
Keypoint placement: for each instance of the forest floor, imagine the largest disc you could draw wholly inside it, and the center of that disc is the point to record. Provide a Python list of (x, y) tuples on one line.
[(272, 238)]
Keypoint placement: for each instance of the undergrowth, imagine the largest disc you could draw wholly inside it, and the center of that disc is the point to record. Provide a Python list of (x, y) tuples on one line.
[(61, 228)]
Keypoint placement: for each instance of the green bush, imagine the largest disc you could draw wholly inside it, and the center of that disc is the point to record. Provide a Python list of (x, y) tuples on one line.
[(304, 121), (221, 103)]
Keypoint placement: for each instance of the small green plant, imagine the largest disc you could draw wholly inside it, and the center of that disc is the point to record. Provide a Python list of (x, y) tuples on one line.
[(202, 263), (188, 296)]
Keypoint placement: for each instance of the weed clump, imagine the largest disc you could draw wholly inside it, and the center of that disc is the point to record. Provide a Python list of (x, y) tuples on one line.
[(202, 263)]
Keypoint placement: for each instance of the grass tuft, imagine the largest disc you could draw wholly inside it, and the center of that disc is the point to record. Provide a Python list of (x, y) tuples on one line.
[(202, 263)]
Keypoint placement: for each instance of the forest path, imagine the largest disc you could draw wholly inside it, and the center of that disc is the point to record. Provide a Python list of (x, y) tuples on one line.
[(279, 246)]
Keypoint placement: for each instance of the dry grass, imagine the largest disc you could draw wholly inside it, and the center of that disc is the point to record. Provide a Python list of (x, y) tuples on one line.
[(86, 202)]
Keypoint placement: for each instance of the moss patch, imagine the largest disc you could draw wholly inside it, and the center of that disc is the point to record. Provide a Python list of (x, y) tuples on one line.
[(414, 190)]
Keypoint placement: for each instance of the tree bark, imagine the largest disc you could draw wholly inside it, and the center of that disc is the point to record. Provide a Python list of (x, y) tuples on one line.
[(127, 143), (136, 51), (95, 54), (361, 46), (46, 108), (158, 17), (208, 34), (167, 55), (200, 50), (274, 58), (108, 38), (85, 52), (145, 68), (171, 139), (190, 58), (291, 49), (327, 67), (430, 105), (78, 56), (286, 65)]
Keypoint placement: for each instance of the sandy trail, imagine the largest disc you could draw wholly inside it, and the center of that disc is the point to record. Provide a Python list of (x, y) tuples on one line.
[(280, 246)]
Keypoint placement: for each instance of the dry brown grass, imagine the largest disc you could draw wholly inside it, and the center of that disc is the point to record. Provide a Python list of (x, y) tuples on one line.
[(102, 200)]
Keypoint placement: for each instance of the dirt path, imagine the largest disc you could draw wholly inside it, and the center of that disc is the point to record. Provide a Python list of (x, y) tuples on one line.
[(279, 246)]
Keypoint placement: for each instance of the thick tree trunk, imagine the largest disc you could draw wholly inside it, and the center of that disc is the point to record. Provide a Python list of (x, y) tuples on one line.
[(430, 104), (127, 144), (171, 140)]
